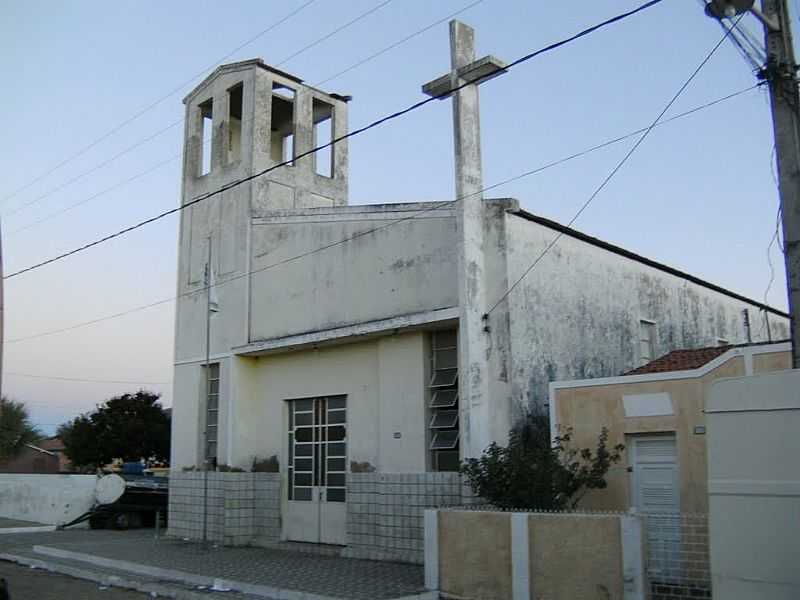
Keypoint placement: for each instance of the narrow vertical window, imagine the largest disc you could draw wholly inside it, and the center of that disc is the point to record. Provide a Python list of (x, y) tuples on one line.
[(443, 385), (647, 341), (235, 101), (206, 129), (282, 128), (212, 413), (323, 134)]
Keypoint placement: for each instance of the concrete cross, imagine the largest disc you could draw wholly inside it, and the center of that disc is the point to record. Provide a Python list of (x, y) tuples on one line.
[(474, 384)]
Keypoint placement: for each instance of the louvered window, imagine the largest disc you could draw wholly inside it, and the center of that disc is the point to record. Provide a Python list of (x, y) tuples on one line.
[(443, 424)]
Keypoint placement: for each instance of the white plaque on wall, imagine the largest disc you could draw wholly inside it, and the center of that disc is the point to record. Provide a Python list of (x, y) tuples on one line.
[(647, 405)]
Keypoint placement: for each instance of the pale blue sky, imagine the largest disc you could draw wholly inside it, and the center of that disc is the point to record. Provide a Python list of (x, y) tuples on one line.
[(698, 194)]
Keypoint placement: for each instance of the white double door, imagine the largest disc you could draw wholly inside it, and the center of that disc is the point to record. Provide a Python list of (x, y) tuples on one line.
[(317, 466)]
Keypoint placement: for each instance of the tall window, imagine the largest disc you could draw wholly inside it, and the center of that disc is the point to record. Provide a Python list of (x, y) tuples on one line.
[(444, 401), (323, 134), (235, 101), (282, 124), (212, 413), (206, 129), (647, 341)]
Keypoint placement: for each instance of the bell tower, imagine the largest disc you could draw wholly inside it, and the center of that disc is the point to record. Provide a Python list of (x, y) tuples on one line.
[(243, 119)]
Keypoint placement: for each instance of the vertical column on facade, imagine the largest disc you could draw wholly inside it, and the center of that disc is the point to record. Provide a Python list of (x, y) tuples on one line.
[(520, 563), (632, 557), (431, 525)]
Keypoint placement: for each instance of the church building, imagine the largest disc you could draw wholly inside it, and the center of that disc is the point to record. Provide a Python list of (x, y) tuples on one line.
[(362, 351)]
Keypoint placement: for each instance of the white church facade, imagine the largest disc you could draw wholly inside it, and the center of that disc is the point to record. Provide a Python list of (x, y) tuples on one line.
[(336, 344)]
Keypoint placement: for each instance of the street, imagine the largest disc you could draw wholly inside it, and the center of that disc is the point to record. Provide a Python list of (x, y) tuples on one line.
[(25, 583)]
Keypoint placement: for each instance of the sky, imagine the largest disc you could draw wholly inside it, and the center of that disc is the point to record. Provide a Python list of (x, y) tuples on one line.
[(698, 194)]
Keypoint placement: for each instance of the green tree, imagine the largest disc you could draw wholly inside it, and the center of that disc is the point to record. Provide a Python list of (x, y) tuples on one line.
[(16, 428), (537, 472), (129, 427)]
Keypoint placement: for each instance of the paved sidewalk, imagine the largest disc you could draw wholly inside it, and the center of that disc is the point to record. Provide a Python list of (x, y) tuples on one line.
[(280, 569)]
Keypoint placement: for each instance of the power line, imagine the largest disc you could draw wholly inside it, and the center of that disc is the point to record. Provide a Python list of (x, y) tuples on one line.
[(335, 141), (439, 206), (613, 172), (398, 43), (81, 380), (152, 105), (334, 32), (179, 154)]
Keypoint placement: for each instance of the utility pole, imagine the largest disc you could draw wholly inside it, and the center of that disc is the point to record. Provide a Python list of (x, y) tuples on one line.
[(780, 73)]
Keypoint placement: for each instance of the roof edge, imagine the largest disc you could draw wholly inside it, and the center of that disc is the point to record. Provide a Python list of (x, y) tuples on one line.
[(574, 233)]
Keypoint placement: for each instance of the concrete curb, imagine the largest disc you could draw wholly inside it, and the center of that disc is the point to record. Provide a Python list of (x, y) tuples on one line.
[(215, 583), (158, 589), (33, 529)]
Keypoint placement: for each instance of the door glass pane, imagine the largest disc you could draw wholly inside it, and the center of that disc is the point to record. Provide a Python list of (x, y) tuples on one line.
[(303, 494), (303, 449), (303, 464), (337, 402), (336, 449), (336, 479), (304, 434), (335, 494), (303, 404), (336, 433), (336, 416), (336, 464), (302, 479)]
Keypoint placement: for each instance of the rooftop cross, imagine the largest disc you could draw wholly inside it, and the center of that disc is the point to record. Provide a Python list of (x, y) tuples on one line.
[(473, 333)]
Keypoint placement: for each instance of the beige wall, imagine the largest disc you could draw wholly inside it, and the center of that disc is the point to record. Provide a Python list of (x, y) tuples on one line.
[(475, 554), (575, 556), (589, 408), (570, 556)]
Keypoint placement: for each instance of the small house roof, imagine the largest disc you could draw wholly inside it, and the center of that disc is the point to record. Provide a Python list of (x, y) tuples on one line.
[(686, 359)]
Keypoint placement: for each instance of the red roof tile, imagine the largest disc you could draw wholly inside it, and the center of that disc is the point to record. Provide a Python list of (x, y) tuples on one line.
[(681, 360)]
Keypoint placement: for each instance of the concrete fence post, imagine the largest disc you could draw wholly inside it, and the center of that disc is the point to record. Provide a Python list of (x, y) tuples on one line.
[(631, 531), (520, 563), (431, 549)]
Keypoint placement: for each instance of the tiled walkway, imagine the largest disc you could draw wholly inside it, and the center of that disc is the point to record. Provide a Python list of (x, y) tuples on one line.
[(278, 568)]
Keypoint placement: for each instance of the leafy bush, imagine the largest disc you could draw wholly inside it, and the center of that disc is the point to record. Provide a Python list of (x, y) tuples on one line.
[(537, 472)]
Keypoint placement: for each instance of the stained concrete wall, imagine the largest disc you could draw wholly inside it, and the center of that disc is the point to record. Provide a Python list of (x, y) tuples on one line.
[(50, 499), (385, 270), (577, 314)]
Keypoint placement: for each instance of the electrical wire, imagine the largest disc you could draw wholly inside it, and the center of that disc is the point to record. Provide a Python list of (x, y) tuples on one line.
[(152, 105), (440, 206), (179, 154), (398, 43), (611, 175), (326, 37), (81, 380), (356, 132)]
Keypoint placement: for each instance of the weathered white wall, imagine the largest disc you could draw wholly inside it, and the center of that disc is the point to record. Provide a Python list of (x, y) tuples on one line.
[(395, 270), (754, 486), (384, 380), (576, 315), (49, 499)]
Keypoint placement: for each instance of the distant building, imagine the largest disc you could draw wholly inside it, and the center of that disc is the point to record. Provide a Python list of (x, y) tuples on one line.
[(55, 445), (31, 459)]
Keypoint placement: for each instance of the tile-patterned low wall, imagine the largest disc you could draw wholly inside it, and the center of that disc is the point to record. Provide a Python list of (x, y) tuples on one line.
[(241, 508), (385, 512)]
